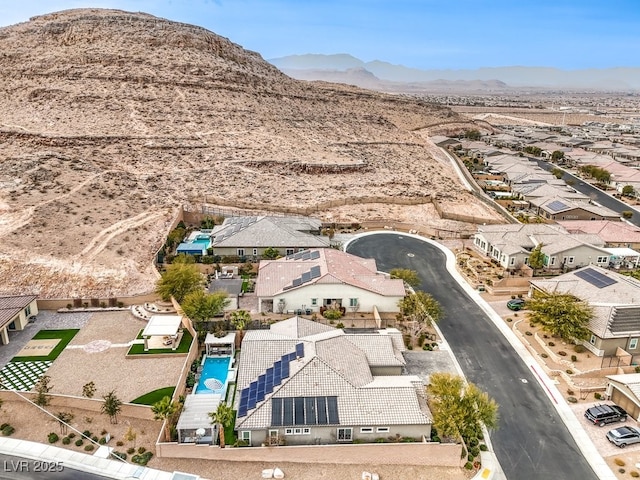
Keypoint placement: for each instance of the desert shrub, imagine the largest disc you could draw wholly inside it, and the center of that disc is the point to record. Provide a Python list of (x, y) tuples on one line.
[(141, 450), (562, 353), (572, 400), (513, 297), (427, 348), (483, 447), (87, 433), (66, 441), (131, 450), (470, 457), (95, 439), (474, 451), (69, 306), (79, 442), (619, 462), (597, 396), (570, 391), (72, 435), (544, 355), (579, 349), (8, 430), (380, 440), (473, 442), (435, 439), (569, 371), (528, 333), (634, 474), (509, 319), (340, 325), (103, 432), (244, 443), (637, 369), (142, 459), (551, 344), (120, 455), (119, 443), (574, 358), (409, 347), (621, 470), (468, 466), (53, 437), (89, 448), (102, 441), (332, 314)]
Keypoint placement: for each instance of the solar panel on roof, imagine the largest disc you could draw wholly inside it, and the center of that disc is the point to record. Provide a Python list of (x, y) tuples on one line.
[(321, 403), (315, 272), (297, 282), (276, 412), (300, 350), (242, 411), (261, 395), (306, 277), (315, 255), (298, 417), (595, 278), (287, 408), (285, 370), (310, 410), (557, 205), (306, 256), (332, 408), (292, 356)]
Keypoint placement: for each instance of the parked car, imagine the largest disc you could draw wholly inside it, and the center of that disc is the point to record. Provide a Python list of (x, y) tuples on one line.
[(624, 436), (602, 414), (515, 304)]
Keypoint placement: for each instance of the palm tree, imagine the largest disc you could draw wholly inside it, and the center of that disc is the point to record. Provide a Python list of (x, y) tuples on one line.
[(240, 319), (223, 416), (112, 406), (63, 419), (163, 410)]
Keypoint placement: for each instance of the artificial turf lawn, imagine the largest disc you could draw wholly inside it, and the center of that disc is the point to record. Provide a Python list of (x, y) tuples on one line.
[(185, 343), (154, 396), (65, 337)]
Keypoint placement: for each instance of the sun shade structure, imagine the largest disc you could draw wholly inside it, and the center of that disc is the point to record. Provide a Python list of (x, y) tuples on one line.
[(162, 326)]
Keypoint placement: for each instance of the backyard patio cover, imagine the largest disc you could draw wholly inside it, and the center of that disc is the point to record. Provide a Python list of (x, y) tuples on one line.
[(162, 325)]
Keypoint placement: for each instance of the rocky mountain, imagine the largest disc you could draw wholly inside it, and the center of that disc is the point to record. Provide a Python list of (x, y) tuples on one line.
[(110, 121), (315, 67)]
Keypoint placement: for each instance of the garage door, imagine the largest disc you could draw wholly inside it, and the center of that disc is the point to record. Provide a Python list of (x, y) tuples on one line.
[(625, 402)]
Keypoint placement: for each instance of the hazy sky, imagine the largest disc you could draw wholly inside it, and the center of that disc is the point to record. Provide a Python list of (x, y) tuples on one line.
[(567, 34)]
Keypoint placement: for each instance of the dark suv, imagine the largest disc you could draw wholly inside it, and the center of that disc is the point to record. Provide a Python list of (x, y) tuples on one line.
[(602, 414)]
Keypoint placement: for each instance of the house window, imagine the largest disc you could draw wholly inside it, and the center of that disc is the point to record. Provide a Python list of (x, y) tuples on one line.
[(288, 431), (366, 430), (353, 302), (314, 302), (570, 260), (297, 431), (290, 251), (512, 261), (241, 252), (603, 259), (27, 310), (633, 344), (592, 340), (345, 434), (255, 251), (382, 430), (306, 431), (246, 436), (552, 261)]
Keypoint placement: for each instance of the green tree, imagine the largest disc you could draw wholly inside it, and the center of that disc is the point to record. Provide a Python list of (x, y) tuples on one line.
[(112, 406), (421, 310), (201, 307), (163, 410), (184, 258), (533, 150), (561, 315), (557, 155), (43, 387), (557, 172), (240, 319), (179, 280), (473, 134), (270, 253), (536, 257), (207, 223), (628, 191), (459, 409), (410, 277), (63, 420), (626, 214), (223, 416)]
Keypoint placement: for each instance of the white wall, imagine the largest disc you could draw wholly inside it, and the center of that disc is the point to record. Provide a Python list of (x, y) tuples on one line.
[(298, 297)]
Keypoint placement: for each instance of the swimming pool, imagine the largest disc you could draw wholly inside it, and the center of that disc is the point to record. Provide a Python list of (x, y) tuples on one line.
[(213, 378)]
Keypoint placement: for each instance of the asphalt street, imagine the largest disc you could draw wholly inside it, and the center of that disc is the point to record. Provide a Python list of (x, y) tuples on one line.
[(531, 442), (594, 193)]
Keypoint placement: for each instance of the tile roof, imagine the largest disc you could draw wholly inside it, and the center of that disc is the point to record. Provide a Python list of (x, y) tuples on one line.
[(335, 267), (631, 380), (10, 306), (334, 364), (610, 231), (265, 232)]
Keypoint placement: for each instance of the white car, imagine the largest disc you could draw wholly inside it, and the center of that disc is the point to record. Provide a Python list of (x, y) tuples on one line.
[(623, 436)]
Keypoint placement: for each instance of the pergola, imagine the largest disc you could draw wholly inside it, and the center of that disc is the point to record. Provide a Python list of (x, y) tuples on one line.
[(166, 326), (194, 424), (220, 345)]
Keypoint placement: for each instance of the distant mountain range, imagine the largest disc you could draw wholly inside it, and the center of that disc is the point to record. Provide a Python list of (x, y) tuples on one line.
[(344, 68)]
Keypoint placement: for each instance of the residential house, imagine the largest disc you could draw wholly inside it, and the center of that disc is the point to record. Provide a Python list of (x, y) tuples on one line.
[(15, 313), (615, 301), (511, 245), (558, 208), (305, 383), (249, 237), (624, 390), (312, 280), (614, 234)]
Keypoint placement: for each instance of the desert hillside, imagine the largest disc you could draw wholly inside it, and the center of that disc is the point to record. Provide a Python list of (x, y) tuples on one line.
[(109, 121)]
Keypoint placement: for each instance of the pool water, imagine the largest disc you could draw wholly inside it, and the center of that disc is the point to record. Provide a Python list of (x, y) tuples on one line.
[(213, 378)]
